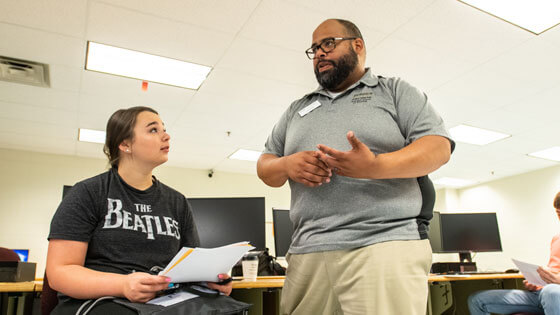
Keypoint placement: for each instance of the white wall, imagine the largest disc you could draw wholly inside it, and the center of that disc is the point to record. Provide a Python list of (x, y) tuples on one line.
[(526, 217), (31, 189)]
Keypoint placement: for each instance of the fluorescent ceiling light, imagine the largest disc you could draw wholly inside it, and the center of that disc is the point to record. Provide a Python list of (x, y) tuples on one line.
[(473, 135), (453, 182), (89, 135), (246, 155), (549, 154), (139, 65), (535, 16)]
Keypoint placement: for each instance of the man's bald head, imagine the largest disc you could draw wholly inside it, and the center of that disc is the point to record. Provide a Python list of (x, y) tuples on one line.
[(342, 63)]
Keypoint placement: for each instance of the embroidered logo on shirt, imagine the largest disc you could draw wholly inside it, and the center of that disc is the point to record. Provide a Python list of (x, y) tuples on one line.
[(362, 97)]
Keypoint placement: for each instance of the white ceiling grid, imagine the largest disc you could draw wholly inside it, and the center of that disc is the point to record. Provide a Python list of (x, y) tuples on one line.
[(475, 69)]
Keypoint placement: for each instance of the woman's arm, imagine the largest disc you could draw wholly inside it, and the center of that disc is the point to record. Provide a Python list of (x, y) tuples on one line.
[(67, 274)]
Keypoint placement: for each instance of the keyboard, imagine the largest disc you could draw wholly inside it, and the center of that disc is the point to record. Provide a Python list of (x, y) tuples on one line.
[(485, 272)]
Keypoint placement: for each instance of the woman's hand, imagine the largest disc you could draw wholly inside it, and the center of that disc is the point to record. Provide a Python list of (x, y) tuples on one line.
[(142, 287), (531, 287), (548, 275), (225, 288)]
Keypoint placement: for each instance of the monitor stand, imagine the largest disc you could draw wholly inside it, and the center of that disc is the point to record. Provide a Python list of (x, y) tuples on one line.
[(465, 264), (465, 257)]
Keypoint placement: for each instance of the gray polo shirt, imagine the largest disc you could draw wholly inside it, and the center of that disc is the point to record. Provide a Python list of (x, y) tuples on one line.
[(386, 114)]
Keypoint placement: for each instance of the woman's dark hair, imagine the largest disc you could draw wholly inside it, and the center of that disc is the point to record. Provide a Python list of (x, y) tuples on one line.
[(556, 202), (120, 127)]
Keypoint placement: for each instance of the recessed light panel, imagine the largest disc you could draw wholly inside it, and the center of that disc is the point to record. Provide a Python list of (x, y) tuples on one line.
[(246, 155), (535, 16), (473, 135), (143, 66), (89, 135), (552, 154)]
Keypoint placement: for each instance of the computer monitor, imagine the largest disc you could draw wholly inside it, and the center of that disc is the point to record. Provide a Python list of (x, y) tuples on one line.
[(283, 229), (222, 221), (464, 233), (23, 254)]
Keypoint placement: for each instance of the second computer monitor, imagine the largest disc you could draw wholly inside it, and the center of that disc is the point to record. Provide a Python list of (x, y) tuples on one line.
[(222, 221), (283, 230)]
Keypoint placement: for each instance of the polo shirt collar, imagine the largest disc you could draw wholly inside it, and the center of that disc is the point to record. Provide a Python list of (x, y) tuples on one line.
[(368, 79)]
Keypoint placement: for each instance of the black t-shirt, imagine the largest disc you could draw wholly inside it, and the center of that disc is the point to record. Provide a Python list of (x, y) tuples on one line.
[(126, 229)]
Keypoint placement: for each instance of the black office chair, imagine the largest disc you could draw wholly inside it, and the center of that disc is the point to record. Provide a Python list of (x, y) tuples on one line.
[(8, 255), (49, 298), (428, 201)]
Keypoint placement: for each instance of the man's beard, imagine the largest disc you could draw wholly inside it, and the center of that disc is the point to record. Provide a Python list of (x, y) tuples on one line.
[(341, 69)]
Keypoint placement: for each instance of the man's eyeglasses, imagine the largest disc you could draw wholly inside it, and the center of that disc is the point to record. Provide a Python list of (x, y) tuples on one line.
[(327, 45)]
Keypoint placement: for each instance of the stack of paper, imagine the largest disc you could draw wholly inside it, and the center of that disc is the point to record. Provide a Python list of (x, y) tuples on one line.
[(204, 264)]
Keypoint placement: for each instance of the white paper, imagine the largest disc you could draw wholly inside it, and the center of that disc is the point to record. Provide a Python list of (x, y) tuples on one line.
[(530, 273), (172, 298), (309, 108), (204, 264)]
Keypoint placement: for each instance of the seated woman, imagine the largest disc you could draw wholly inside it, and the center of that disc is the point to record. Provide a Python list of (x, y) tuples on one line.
[(536, 299), (111, 229)]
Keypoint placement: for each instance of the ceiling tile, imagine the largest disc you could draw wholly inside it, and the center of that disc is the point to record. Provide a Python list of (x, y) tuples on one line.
[(415, 64), (38, 130), (533, 61), (70, 15), (38, 114), (271, 62), (455, 29), (38, 144), (38, 96), (544, 104), (104, 93), (386, 16), (222, 15), (158, 36), (283, 24), (64, 78), (40, 46), (487, 87), (237, 85)]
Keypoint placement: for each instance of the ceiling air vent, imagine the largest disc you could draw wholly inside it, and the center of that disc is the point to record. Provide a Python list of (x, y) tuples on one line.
[(24, 72)]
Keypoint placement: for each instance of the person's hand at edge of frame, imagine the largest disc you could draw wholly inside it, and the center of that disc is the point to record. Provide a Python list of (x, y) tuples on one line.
[(223, 288), (548, 275), (530, 286)]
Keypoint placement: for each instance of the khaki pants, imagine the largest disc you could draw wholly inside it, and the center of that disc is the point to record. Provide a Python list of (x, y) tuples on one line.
[(389, 278)]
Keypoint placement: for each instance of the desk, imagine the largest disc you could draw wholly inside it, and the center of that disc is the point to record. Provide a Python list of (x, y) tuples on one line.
[(448, 294), (17, 297), (264, 294)]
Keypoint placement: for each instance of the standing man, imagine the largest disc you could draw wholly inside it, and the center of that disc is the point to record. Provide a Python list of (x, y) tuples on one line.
[(352, 151)]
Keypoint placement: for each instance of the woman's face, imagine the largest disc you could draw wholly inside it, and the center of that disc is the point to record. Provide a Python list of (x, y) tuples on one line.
[(150, 143)]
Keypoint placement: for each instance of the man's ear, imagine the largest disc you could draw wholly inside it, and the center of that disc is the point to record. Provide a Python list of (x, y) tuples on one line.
[(359, 46)]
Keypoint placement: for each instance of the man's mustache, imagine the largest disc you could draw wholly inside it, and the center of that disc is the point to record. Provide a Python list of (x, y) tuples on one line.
[(332, 62)]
